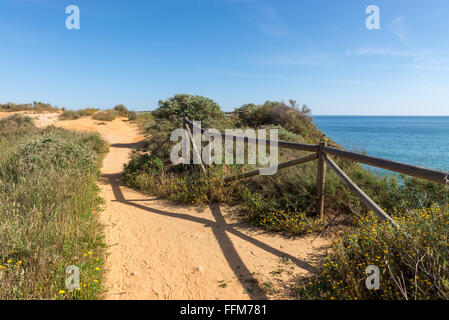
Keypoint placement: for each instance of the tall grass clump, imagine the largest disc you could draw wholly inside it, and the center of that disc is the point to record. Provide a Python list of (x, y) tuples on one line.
[(49, 207)]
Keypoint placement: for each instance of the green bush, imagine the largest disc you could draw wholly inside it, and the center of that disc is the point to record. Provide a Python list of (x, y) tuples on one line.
[(132, 115), (291, 118), (50, 149), (108, 115), (195, 108), (121, 110), (145, 121)]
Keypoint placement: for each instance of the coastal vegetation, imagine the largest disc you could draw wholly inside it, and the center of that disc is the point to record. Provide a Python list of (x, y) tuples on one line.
[(73, 115), (37, 107), (49, 206), (285, 202), (412, 260), (49, 202), (107, 115)]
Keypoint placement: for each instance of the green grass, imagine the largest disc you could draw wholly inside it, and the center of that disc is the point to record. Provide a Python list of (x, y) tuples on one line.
[(49, 206)]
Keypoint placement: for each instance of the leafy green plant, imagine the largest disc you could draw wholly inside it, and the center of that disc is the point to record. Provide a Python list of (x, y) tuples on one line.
[(195, 108)]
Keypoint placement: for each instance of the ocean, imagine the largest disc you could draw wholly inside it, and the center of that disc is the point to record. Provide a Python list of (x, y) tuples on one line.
[(417, 140)]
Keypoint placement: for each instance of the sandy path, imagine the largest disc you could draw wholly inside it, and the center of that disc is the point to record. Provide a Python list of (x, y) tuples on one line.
[(40, 119), (158, 250)]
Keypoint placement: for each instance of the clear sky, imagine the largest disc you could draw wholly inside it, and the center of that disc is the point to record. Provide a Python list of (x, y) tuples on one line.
[(233, 51)]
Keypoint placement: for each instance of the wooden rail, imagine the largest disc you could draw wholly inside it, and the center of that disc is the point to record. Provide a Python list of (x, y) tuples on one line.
[(321, 153), (281, 144), (354, 188), (280, 166), (407, 169)]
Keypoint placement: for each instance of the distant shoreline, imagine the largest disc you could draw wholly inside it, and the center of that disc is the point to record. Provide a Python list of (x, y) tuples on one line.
[(330, 115)]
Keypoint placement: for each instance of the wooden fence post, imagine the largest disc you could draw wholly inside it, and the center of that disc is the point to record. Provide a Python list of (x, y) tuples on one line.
[(321, 181), (195, 150)]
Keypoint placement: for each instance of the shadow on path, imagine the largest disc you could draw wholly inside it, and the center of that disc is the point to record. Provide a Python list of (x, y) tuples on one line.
[(220, 229), (134, 145)]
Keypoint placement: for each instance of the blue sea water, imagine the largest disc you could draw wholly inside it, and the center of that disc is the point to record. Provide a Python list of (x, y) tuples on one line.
[(422, 141)]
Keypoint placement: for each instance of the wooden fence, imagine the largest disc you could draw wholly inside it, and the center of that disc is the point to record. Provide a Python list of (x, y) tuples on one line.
[(321, 152)]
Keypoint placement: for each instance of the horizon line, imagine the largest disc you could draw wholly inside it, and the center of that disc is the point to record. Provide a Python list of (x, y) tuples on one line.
[(380, 115)]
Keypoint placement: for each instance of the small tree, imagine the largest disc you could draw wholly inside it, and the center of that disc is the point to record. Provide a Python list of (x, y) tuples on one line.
[(121, 110), (196, 108)]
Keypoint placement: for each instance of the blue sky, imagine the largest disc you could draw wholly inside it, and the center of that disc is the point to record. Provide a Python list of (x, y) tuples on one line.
[(316, 52)]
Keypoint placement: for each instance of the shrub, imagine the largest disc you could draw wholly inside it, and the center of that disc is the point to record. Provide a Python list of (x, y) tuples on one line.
[(278, 113), (50, 149), (73, 115), (16, 125), (35, 107), (413, 260), (272, 217), (87, 112), (69, 115), (108, 115), (145, 121), (196, 108), (132, 115), (121, 110)]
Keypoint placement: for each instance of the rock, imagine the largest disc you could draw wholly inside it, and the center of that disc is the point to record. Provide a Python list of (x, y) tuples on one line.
[(199, 269)]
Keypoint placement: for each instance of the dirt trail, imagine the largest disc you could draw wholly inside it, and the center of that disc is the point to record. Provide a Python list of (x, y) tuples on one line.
[(158, 250), (40, 119)]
